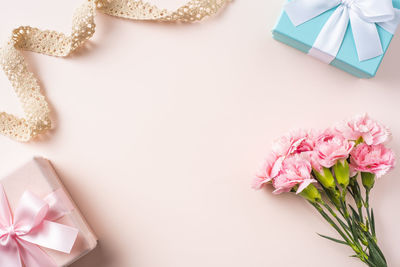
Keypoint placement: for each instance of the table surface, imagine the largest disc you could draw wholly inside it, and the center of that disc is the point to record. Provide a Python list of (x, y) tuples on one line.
[(159, 129)]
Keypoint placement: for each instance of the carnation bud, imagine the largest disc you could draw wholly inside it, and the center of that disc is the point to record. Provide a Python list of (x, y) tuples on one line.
[(368, 180), (311, 193), (342, 173), (325, 177)]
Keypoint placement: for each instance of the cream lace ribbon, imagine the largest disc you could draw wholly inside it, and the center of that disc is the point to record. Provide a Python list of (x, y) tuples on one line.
[(54, 43)]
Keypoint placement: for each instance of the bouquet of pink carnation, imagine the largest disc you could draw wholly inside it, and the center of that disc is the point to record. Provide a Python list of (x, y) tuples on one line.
[(315, 163)]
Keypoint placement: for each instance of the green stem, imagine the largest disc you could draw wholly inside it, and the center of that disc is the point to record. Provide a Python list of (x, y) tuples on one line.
[(343, 208), (346, 233), (344, 226), (372, 237), (355, 246), (331, 222), (360, 213), (367, 208)]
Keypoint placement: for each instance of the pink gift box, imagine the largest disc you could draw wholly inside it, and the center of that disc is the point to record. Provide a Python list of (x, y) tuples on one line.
[(39, 177)]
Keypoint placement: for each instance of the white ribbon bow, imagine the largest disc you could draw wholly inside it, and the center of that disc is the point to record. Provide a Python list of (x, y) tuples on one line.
[(363, 16)]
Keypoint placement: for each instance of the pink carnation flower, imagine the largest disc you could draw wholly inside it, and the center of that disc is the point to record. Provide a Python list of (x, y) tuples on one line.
[(375, 159), (294, 142), (270, 168), (372, 132), (295, 171), (331, 147), (312, 157)]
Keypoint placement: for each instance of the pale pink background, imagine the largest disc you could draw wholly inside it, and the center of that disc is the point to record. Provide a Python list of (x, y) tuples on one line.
[(160, 127)]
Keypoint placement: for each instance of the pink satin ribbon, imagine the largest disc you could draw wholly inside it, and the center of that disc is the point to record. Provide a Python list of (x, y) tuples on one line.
[(32, 227)]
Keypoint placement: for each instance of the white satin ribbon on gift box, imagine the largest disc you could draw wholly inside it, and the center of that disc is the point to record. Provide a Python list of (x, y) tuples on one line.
[(363, 16)]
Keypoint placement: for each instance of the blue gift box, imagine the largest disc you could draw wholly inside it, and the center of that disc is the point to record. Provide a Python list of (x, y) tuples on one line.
[(303, 37)]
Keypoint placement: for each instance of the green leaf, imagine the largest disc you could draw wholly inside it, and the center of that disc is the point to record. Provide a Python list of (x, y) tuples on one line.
[(374, 247), (376, 257), (333, 239), (353, 229), (355, 214), (371, 264)]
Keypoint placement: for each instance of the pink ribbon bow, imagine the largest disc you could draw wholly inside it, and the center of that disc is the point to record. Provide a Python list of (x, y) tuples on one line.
[(32, 226)]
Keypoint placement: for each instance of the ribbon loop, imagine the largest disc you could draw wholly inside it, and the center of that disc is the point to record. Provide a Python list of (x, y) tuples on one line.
[(375, 11), (59, 205), (30, 213), (300, 11), (391, 26)]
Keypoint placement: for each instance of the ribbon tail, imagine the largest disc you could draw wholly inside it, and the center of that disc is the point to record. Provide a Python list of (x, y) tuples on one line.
[(300, 11), (330, 39), (33, 256), (366, 37), (391, 26), (53, 236), (10, 254)]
